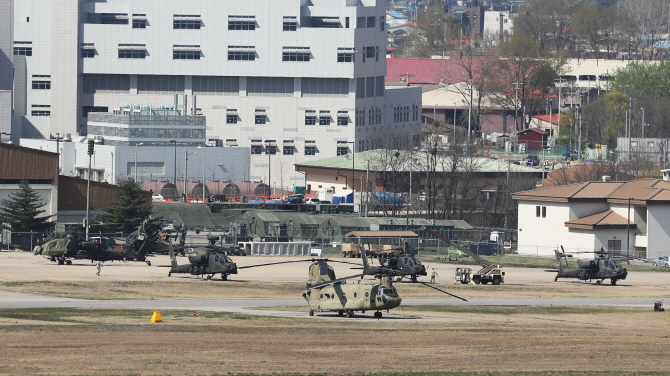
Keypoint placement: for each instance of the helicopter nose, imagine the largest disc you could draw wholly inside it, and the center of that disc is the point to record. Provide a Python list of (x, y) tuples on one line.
[(391, 302)]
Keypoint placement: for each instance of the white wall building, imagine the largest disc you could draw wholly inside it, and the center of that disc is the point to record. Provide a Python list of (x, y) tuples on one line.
[(302, 79), (110, 162), (497, 25), (584, 217)]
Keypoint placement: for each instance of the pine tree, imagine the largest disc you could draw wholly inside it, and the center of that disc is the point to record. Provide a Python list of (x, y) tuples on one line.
[(130, 208), (22, 211)]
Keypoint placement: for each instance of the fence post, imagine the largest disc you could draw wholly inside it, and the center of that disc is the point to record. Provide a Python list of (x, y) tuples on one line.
[(537, 254), (31, 240)]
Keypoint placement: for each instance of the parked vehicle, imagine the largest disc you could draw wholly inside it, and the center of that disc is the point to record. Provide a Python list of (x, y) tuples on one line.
[(662, 261), (292, 200), (157, 197), (485, 248), (316, 250), (312, 200), (532, 160)]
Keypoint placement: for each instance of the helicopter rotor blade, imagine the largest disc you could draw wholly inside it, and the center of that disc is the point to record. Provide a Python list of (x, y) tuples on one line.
[(433, 287), (339, 280), (273, 263)]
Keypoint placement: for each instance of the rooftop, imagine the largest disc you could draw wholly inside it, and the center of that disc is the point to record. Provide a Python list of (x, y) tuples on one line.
[(385, 160), (641, 192)]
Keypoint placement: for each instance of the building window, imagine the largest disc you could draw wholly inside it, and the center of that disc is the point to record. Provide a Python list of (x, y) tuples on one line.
[(325, 87), (310, 117), (41, 113), (342, 118), (271, 149), (345, 55), (382, 23), (85, 110), (310, 149), (114, 19), (342, 150), (186, 53), (23, 51), (544, 212), (88, 52), (260, 118), (346, 22), (216, 85), (290, 23), (132, 51), (159, 84), (41, 85), (139, 21), (370, 52), (241, 23), (256, 149), (186, 22), (231, 118), (537, 211), (289, 149), (324, 118), (270, 86), (296, 55), (241, 53), (326, 22), (371, 22), (360, 22)]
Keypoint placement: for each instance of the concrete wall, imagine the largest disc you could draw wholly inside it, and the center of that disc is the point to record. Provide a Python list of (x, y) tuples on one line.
[(658, 230)]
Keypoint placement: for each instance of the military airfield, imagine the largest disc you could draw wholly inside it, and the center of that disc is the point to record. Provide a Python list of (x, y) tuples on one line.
[(66, 320)]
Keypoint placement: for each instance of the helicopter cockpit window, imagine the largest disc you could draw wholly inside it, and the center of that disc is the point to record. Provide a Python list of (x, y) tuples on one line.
[(216, 258)]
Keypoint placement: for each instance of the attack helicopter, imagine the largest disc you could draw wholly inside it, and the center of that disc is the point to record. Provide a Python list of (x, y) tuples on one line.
[(213, 261), (64, 250), (402, 264), (600, 268)]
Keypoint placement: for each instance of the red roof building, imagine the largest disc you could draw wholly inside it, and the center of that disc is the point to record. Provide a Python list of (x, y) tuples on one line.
[(535, 139)]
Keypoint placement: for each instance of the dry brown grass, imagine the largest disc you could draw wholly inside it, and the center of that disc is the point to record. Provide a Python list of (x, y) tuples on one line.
[(501, 338)]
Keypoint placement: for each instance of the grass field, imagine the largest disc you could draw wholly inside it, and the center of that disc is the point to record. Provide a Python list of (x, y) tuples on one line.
[(528, 340)]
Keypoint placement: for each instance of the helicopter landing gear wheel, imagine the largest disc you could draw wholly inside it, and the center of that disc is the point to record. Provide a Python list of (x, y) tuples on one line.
[(61, 262), (68, 262), (209, 277), (613, 281), (414, 278), (350, 314), (148, 263), (598, 282), (556, 279), (311, 312), (340, 313), (224, 276), (169, 274), (378, 315)]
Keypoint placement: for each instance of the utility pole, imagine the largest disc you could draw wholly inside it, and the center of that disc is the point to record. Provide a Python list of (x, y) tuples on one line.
[(91, 145), (643, 126), (560, 103), (516, 105), (454, 142), (470, 112)]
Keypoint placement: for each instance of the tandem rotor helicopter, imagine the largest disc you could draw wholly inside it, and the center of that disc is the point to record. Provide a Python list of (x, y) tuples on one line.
[(326, 293), (599, 268)]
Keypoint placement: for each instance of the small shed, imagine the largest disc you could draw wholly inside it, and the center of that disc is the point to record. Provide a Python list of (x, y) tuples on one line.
[(533, 138)]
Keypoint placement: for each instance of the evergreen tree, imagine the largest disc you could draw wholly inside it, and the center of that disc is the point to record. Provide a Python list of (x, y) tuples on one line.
[(130, 208), (22, 211)]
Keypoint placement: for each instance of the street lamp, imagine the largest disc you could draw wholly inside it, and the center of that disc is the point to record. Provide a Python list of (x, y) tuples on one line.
[(353, 160), (175, 164), (268, 144), (203, 172), (141, 143), (186, 154)]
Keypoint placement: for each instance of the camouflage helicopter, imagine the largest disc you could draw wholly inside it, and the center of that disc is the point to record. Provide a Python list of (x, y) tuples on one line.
[(64, 250), (600, 268), (213, 261), (325, 292), (401, 264)]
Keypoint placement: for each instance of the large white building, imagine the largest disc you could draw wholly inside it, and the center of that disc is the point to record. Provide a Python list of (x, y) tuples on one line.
[(297, 79)]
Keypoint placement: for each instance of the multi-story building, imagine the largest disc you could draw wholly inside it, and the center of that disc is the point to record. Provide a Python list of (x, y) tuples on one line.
[(293, 79)]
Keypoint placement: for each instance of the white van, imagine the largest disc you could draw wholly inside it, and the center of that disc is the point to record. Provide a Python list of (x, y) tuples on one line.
[(316, 250)]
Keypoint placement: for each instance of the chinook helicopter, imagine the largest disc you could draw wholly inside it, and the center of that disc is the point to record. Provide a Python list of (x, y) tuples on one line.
[(212, 262), (324, 292), (600, 268)]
